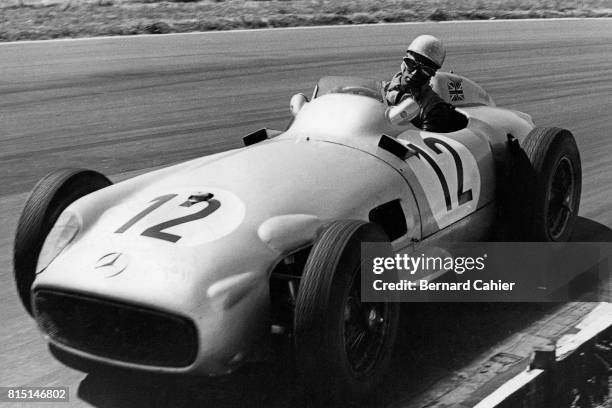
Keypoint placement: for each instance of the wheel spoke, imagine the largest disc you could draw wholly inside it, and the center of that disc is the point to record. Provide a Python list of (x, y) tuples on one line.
[(364, 330)]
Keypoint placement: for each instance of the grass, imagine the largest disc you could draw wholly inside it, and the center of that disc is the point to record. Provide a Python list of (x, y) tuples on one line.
[(43, 19)]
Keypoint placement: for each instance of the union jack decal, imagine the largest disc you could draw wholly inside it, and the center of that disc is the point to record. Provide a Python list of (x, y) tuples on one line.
[(455, 89)]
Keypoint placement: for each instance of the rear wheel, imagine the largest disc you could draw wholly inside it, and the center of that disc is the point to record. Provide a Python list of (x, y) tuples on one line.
[(540, 196), (343, 345), (553, 209), (50, 196)]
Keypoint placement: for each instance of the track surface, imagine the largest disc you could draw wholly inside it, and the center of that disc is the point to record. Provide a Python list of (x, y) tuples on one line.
[(124, 105)]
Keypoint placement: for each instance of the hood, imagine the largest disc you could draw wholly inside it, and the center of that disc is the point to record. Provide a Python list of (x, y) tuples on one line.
[(187, 227)]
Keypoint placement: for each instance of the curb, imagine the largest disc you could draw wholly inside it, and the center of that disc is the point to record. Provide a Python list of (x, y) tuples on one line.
[(572, 368)]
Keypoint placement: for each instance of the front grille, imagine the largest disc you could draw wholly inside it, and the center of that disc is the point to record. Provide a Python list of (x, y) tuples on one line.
[(115, 330)]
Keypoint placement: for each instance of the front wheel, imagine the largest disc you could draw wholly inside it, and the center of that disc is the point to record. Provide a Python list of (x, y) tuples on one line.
[(343, 345), (48, 199)]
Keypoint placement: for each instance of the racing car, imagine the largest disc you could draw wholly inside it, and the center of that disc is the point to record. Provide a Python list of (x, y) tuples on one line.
[(196, 267)]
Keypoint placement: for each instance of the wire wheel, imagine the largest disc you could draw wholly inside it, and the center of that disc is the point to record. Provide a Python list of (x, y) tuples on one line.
[(553, 179), (343, 346), (366, 326), (560, 198)]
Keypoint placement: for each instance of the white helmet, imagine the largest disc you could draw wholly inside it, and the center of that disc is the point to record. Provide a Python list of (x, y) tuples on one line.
[(429, 47)]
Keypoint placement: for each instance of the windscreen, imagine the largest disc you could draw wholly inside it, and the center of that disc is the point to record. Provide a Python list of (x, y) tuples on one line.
[(349, 85)]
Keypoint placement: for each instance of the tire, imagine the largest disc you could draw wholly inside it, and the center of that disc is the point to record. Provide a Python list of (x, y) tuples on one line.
[(326, 305), (551, 207), (49, 197)]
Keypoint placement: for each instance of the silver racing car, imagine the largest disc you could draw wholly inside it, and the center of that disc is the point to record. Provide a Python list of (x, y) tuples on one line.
[(195, 268)]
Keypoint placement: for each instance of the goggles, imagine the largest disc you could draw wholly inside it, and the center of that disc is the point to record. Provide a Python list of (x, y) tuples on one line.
[(413, 65)]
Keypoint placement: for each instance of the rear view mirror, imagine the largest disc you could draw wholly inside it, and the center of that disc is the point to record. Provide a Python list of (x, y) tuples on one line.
[(403, 113), (296, 103)]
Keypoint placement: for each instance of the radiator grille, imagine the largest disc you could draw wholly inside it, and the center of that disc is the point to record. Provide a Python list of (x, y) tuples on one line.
[(116, 330)]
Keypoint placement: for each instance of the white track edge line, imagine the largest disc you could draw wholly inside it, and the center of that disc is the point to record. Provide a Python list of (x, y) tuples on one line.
[(315, 27)]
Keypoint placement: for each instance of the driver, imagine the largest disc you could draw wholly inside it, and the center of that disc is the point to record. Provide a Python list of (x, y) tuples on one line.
[(424, 57)]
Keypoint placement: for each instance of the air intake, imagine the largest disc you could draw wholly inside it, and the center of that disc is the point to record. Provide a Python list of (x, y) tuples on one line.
[(116, 330)]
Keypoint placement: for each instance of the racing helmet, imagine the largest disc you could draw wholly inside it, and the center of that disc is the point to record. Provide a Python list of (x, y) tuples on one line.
[(429, 47)]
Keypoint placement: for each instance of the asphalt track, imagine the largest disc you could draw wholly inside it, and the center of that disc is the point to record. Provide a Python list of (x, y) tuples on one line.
[(124, 105)]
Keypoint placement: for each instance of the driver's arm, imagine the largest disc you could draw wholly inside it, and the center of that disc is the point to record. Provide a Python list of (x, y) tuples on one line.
[(393, 91)]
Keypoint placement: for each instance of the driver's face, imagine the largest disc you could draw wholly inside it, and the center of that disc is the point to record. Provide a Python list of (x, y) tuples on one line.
[(409, 64)]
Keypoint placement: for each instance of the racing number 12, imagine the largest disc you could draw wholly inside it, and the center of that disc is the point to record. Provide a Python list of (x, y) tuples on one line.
[(462, 196), (156, 231)]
